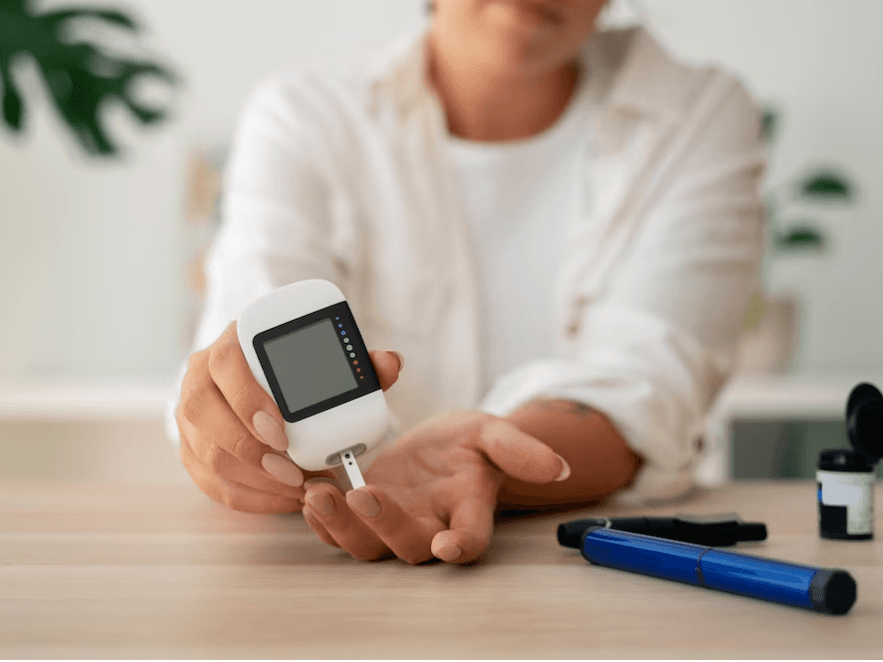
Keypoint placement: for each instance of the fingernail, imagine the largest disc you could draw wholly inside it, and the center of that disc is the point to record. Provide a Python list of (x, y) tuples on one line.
[(448, 552), (269, 431), (363, 502), (565, 469), (321, 502), (312, 482), (401, 360), (282, 469)]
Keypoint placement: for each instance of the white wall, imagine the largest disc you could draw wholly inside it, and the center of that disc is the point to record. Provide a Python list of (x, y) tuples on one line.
[(821, 62), (91, 264), (90, 254)]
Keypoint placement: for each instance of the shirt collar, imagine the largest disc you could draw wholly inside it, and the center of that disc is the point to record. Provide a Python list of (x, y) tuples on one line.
[(630, 71), (641, 77)]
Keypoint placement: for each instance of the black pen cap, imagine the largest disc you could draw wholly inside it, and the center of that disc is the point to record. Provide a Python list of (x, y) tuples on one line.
[(750, 531), (864, 422), (710, 530), (832, 591), (718, 530), (570, 534)]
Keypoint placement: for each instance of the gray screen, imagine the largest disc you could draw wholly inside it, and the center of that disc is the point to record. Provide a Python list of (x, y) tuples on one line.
[(310, 365)]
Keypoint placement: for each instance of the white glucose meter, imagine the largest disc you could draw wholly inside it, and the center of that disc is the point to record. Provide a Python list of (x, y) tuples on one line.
[(304, 348)]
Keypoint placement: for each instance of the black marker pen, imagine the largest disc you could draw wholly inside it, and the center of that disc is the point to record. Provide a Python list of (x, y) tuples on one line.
[(710, 530)]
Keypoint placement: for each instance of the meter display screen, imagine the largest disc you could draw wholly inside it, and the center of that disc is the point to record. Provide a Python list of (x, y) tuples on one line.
[(316, 362), (310, 365)]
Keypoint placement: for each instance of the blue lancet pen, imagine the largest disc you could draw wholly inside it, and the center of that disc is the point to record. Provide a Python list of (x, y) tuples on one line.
[(824, 590)]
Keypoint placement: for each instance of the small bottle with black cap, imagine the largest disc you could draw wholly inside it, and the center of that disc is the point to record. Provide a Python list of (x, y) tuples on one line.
[(845, 477)]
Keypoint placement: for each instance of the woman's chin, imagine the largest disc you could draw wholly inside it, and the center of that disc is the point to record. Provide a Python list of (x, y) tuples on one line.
[(514, 18), (517, 36)]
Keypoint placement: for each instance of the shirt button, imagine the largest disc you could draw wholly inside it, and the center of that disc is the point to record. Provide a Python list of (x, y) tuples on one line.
[(573, 328)]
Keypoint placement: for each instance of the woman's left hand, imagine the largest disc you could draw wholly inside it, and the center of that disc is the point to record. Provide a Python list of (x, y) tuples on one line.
[(433, 492)]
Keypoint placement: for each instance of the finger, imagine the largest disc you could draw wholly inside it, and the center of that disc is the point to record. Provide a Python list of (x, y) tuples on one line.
[(234, 495), (407, 536), (214, 427), (317, 527), (472, 524), (254, 407), (221, 463), (314, 480), (520, 455), (330, 508), (387, 365)]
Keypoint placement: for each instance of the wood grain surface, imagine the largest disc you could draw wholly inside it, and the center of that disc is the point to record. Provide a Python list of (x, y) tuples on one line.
[(123, 571)]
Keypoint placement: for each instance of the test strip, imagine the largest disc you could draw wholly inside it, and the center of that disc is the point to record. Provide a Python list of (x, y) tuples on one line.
[(352, 469)]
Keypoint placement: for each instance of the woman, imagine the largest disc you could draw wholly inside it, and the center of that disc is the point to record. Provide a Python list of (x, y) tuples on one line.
[(560, 228)]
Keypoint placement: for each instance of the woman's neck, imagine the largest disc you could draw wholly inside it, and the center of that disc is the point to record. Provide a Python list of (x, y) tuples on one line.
[(488, 103)]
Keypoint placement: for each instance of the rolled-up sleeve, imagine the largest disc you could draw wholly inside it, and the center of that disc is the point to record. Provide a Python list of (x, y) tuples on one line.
[(658, 344)]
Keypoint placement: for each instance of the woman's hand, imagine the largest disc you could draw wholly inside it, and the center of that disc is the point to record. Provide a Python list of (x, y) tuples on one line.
[(233, 439), (433, 492)]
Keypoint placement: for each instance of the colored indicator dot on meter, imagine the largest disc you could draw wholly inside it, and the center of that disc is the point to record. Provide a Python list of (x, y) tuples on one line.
[(352, 355), (346, 339), (337, 318), (343, 333), (340, 326), (358, 370), (355, 363)]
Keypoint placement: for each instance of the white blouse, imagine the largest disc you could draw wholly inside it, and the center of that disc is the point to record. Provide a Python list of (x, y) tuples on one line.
[(515, 201), (348, 178)]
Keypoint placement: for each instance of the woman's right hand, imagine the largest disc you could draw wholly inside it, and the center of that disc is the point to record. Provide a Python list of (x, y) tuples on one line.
[(233, 439)]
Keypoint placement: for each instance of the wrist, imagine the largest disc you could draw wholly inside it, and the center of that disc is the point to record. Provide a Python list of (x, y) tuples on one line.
[(584, 438)]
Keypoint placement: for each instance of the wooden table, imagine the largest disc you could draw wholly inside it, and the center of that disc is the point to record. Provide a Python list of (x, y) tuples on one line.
[(131, 571)]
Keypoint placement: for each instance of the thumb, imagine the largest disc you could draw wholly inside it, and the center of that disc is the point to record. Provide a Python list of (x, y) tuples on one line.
[(519, 455), (387, 365)]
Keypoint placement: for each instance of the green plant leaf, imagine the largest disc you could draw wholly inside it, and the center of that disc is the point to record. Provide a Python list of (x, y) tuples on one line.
[(82, 75), (769, 122), (799, 238), (825, 185), (13, 106)]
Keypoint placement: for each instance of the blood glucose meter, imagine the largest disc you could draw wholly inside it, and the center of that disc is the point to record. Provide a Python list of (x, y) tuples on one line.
[(304, 348)]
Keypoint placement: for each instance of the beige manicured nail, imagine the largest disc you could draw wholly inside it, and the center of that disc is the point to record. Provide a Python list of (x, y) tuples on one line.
[(565, 469), (449, 552), (321, 503), (312, 482), (363, 502), (270, 431), (401, 360), (282, 469)]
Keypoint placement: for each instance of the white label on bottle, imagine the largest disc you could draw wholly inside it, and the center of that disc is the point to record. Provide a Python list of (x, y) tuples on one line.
[(853, 489)]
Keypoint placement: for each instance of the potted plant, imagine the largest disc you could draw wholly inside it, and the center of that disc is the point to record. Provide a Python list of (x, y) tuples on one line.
[(80, 74), (772, 327)]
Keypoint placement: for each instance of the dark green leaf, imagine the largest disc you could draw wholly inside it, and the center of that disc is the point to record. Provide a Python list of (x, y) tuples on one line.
[(825, 185), (13, 106), (769, 121), (799, 238), (81, 75)]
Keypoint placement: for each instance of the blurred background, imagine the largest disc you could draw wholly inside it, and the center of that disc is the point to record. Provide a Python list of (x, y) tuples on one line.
[(102, 230)]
